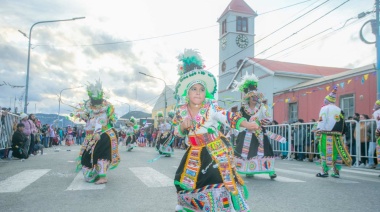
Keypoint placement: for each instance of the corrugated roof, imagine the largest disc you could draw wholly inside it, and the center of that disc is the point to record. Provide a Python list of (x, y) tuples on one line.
[(239, 6), (278, 66)]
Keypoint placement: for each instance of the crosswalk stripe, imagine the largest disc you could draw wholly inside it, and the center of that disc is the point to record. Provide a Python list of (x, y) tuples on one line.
[(21, 180), (294, 172), (79, 184), (310, 175), (151, 177), (280, 179), (346, 176), (361, 172)]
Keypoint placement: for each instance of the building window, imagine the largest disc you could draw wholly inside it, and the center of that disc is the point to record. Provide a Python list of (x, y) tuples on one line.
[(241, 24), (238, 64), (223, 66), (224, 27), (347, 104), (293, 112)]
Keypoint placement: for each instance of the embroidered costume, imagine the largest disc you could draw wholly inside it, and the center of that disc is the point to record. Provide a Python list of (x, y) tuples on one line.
[(99, 151), (376, 116), (69, 140), (132, 127), (166, 136), (330, 128), (206, 178), (253, 152)]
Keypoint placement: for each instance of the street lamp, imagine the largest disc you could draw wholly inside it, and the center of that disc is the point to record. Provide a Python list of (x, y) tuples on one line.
[(29, 45), (166, 103), (59, 101)]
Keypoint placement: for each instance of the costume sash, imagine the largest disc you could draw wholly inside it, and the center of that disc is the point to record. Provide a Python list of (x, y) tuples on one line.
[(246, 144), (276, 137), (115, 157), (193, 164), (219, 153), (329, 150)]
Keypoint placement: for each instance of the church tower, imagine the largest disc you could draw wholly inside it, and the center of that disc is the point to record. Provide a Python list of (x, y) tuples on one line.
[(236, 40)]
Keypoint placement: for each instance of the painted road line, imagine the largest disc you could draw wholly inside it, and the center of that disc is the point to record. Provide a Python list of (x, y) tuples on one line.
[(294, 172), (21, 180), (310, 175), (151, 177), (79, 184), (360, 172), (278, 178), (344, 175)]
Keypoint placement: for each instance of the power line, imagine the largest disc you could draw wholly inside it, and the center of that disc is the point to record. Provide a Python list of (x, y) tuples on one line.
[(284, 7), (293, 21), (168, 35), (319, 33), (304, 27), (249, 46)]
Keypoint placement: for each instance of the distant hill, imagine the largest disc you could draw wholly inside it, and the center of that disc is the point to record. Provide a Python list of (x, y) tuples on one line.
[(137, 115), (52, 119)]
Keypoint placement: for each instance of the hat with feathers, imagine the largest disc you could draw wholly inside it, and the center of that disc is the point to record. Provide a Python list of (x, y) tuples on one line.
[(248, 85), (191, 71)]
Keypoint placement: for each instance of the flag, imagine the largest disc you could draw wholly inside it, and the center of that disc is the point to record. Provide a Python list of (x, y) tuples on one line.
[(342, 84), (327, 88), (348, 82), (365, 76)]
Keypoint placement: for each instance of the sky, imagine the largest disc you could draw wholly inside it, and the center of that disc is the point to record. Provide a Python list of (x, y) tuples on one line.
[(118, 39)]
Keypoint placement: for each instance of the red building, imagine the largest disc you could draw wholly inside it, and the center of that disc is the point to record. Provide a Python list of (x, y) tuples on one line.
[(356, 94)]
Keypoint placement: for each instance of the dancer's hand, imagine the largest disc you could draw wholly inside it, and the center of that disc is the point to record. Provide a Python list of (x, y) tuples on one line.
[(250, 125), (186, 124)]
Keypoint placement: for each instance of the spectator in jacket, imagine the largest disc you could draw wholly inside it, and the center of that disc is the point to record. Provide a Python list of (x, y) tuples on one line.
[(29, 129), (18, 142)]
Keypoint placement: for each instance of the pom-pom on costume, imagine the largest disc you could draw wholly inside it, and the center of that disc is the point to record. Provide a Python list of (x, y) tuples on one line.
[(376, 116), (206, 178), (253, 152), (99, 151), (330, 128), (130, 132)]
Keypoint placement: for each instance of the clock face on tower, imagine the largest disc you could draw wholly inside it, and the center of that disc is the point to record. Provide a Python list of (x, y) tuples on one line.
[(223, 42), (242, 41)]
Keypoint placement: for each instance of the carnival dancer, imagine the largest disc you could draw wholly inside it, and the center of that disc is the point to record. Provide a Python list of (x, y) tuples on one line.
[(166, 146), (69, 139), (99, 151), (376, 116), (141, 140), (329, 131), (254, 153), (130, 131), (206, 178), (163, 131)]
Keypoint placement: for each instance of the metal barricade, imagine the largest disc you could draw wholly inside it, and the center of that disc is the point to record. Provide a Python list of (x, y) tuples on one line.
[(279, 149), (8, 120), (365, 142), (351, 142)]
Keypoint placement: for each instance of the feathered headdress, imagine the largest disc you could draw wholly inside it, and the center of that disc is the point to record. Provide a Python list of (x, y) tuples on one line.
[(191, 59), (191, 71), (95, 92), (248, 83), (160, 114), (171, 114)]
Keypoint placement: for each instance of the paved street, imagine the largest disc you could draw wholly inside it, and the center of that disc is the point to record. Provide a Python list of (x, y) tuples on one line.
[(49, 183)]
